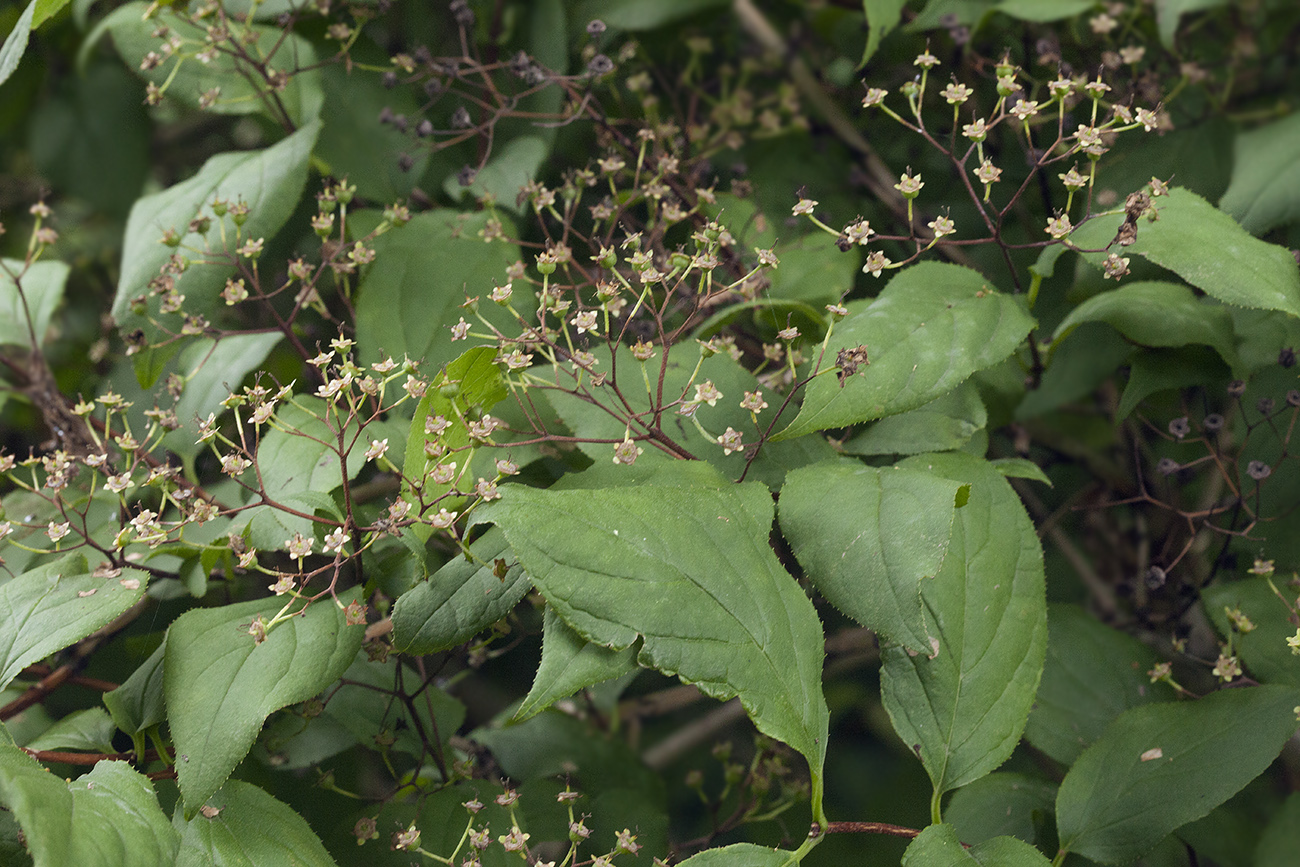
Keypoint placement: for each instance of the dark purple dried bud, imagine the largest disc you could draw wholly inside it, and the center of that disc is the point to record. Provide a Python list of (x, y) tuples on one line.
[(461, 12), (1265, 405), (460, 118), (425, 129), (1212, 422), (466, 176), (385, 115), (1293, 397), (1155, 578), (1237, 388), (390, 79), (1179, 427), (599, 65), (595, 27), (399, 121), (1286, 357), (422, 54), (405, 162), (433, 87), (1258, 470), (1168, 466)]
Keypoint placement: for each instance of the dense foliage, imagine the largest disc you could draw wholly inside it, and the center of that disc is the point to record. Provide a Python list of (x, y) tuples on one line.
[(592, 432)]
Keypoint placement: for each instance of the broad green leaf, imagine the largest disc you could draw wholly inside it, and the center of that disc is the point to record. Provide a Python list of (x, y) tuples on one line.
[(1021, 468), (137, 704), (47, 9), (882, 17), (426, 270), (89, 730), (570, 663), (938, 846), (243, 682), (1208, 249), (512, 166), (107, 817), (867, 538), (475, 381), (963, 710), (741, 855), (42, 287), (459, 600), (16, 42), (1156, 370), (629, 376), (1264, 650), (1160, 766), (639, 15), (1262, 336), (355, 145), (1265, 188), (241, 89), (945, 423), (270, 181), (1043, 11), (1093, 673), (1000, 804), (1280, 841), (931, 327), (1170, 12), (56, 605), (247, 828), (1084, 359), (1155, 313), (685, 567)]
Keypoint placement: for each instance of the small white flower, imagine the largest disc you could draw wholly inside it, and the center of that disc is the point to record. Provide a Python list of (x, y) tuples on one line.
[(627, 452), (336, 540), (299, 546), (57, 531), (443, 519), (378, 448)]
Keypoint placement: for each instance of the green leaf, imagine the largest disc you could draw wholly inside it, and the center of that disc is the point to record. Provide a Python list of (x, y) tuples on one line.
[(1084, 359), (249, 829), (16, 42), (1021, 468), (570, 663), (270, 181), (945, 423), (242, 89), (1043, 11), (682, 562), (108, 816), (1000, 804), (476, 382), (1281, 839), (459, 600), (1265, 188), (137, 704), (1170, 12), (426, 269), (1156, 370), (1093, 674), (1264, 649), (1155, 313), (938, 846), (867, 538), (56, 605), (932, 327), (42, 287), (241, 683), (638, 15), (47, 9), (89, 730), (1160, 766), (963, 710), (590, 422), (1208, 249), (882, 17), (741, 855)]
